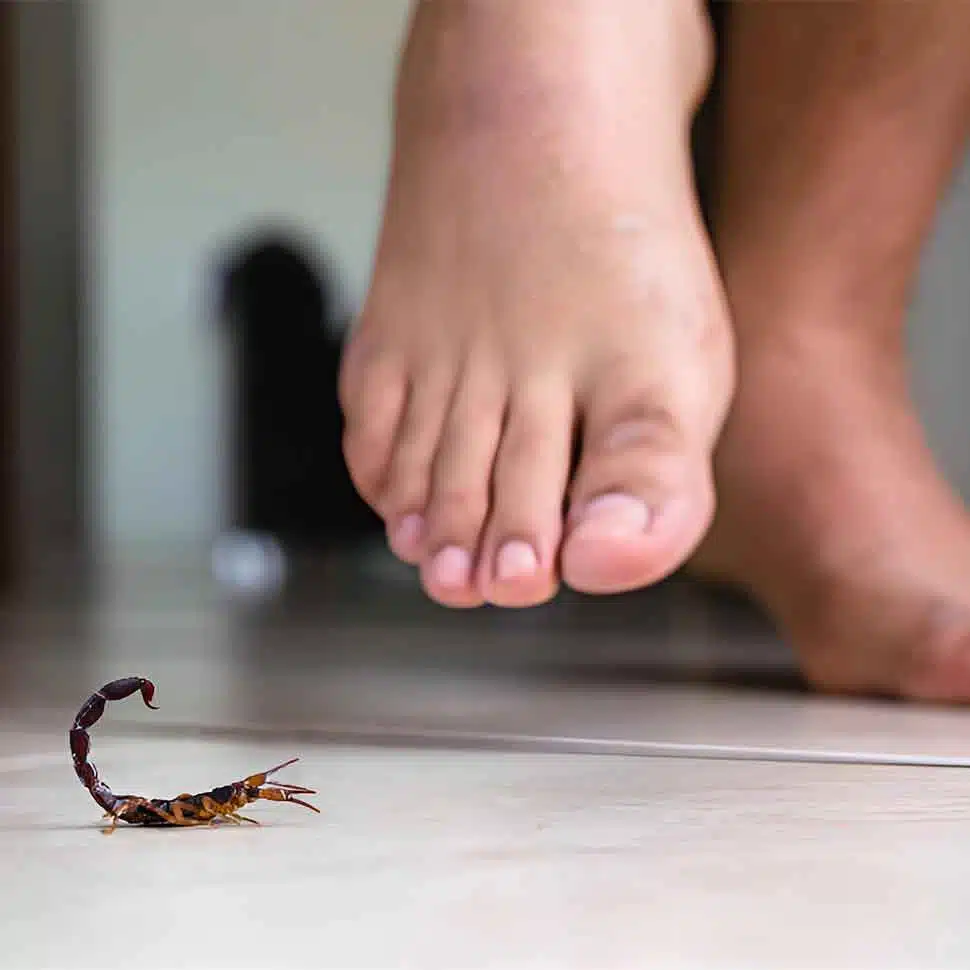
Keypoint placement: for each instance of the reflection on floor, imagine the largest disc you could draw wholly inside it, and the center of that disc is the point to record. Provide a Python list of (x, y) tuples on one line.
[(593, 784)]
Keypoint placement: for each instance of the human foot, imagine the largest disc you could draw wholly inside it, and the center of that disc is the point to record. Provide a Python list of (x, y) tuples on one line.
[(832, 514), (831, 510), (542, 279)]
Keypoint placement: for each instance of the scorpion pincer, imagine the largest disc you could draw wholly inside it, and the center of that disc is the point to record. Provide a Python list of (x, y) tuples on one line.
[(206, 808)]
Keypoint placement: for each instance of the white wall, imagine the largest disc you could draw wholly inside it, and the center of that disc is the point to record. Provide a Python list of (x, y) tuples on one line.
[(209, 115)]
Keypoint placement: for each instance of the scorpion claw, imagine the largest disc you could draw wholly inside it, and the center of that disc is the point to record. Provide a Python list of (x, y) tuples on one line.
[(280, 792), (256, 781), (297, 801), (275, 794), (295, 789)]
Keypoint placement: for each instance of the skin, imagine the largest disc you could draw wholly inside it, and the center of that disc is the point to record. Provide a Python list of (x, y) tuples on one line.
[(543, 280), (863, 549)]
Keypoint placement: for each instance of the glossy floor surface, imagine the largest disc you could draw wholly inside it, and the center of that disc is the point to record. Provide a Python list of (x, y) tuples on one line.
[(638, 782)]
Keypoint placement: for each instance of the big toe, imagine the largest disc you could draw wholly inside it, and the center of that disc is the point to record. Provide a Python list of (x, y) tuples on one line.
[(641, 502)]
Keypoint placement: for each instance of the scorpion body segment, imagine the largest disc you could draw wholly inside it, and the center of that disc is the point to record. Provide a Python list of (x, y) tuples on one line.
[(222, 803)]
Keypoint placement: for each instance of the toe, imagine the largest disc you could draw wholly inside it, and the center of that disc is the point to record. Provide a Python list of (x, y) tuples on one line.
[(518, 561), (372, 399), (461, 478), (406, 537), (403, 494), (447, 577), (642, 496)]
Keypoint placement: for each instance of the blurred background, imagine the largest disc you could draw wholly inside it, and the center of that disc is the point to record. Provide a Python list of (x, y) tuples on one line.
[(191, 199), (188, 183), (174, 174), (190, 194)]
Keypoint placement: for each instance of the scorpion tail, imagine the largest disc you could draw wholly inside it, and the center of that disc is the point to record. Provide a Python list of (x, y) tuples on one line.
[(92, 709), (89, 714), (118, 690)]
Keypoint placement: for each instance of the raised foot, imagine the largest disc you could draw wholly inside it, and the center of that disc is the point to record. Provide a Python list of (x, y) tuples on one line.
[(542, 282)]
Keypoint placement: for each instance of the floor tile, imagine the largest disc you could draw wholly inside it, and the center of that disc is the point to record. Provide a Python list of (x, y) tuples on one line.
[(669, 672), (487, 859)]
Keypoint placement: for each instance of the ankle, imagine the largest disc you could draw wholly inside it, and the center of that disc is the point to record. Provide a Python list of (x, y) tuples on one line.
[(485, 65), (818, 329)]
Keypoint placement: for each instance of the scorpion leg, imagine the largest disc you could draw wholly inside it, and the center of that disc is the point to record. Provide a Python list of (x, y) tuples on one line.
[(176, 814), (114, 823), (221, 811), (217, 810), (238, 819), (116, 813)]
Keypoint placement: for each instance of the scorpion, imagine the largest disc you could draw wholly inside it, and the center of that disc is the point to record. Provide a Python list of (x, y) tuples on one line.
[(220, 804)]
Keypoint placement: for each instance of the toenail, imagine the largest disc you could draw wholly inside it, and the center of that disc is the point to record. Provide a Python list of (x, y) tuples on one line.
[(408, 533), (516, 560), (611, 516), (451, 567)]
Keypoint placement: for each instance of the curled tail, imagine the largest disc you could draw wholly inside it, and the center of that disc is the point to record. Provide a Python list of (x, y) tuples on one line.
[(89, 714)]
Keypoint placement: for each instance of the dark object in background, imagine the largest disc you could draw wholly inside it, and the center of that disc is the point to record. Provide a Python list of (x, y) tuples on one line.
[(11, 551), (289, 475)]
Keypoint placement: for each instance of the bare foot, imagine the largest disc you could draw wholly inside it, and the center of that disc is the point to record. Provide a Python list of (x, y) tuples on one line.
[(543, 281), (831, 510), (832, 513)]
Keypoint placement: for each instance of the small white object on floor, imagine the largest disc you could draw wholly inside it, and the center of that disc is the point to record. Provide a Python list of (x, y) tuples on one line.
[(249, 564)]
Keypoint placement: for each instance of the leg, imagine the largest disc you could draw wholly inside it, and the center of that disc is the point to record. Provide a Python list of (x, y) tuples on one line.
[(842, 123), (175, 817), (218, 811), (114, 824), (245, 818), (542, 275)]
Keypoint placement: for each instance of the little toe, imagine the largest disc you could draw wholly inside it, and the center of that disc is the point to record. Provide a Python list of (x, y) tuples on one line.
[(372, 400), (641, 501), (518, 563)]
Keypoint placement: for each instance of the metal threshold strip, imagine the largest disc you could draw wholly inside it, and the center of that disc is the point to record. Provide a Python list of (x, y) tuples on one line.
[(443, 739)]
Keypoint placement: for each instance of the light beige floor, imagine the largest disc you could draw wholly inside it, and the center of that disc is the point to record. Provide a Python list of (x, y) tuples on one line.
[(458, 835)]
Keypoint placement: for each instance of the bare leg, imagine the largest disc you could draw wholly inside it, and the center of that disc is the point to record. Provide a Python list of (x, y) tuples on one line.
[(542, 275), (842, 125)]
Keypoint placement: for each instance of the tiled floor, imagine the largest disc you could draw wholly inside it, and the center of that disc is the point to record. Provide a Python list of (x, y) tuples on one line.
[(632, 783)]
